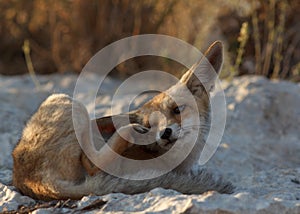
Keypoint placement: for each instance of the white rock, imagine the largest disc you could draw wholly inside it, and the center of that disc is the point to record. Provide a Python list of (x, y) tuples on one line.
[(259, 151), (10, 199), (5, 176)]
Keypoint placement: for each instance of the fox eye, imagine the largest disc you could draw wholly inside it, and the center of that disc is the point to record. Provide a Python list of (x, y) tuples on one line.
[(178, 109)]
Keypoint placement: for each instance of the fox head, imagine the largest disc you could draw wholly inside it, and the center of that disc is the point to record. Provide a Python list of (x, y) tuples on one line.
[(180, 114), (173, 114)]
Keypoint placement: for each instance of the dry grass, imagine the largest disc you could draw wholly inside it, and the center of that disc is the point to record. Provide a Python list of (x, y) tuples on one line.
[(64, 35), (275, 36)]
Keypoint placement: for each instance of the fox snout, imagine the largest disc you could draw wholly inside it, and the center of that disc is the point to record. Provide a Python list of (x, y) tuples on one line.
[(166, 133), (168, 136)]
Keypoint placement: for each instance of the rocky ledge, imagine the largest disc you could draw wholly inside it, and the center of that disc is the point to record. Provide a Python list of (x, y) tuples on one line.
[(259, 152)]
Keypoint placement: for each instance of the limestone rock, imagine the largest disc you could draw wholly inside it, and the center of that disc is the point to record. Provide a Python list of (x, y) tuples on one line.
[(259, 152)]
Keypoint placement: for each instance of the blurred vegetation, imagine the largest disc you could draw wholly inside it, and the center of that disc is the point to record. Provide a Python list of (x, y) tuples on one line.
[(63, 34)]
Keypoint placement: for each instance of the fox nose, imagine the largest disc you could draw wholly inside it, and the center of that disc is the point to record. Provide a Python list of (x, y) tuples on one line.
[(166, 134)]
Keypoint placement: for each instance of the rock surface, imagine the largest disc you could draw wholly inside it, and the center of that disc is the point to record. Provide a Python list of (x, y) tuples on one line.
[(259, 153)]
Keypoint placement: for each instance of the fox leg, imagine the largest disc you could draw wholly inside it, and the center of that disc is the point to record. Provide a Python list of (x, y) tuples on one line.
[(196, 181), (116, 143)]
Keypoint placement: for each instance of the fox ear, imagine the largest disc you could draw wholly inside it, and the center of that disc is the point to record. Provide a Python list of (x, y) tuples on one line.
[(205, 71)]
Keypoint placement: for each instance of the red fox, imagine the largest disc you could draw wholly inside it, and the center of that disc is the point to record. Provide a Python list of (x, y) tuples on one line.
[(49, 162)]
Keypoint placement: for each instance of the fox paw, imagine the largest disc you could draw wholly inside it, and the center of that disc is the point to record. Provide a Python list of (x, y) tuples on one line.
[(139, 128), (132, 132)]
